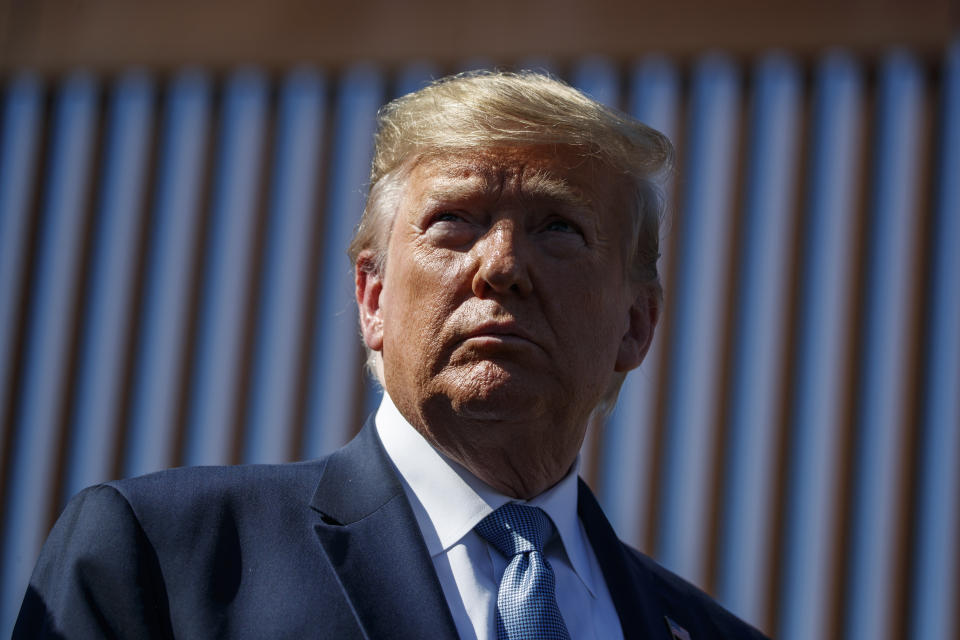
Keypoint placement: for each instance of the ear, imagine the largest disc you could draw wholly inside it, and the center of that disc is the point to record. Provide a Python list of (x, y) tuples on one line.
[(643, 320), (369, 286)]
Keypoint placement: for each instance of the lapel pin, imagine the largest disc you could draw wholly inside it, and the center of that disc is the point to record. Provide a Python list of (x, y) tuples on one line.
[(676, 631)]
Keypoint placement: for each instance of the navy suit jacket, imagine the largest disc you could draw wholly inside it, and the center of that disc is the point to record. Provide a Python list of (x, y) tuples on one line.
[(321, 549)]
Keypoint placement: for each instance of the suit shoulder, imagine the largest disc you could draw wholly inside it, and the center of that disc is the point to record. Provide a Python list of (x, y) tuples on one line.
[(204, 493), (690, 606), (186, 483), (96, 559), (91, 506)]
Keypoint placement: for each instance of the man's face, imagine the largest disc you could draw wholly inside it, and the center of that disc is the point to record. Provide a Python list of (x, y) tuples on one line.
[(505, 296)]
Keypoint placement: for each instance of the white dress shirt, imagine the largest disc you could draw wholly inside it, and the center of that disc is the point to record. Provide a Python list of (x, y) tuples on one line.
[(448, 502)]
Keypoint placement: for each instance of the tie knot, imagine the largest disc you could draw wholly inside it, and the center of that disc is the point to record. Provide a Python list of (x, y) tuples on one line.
[(515, 528)]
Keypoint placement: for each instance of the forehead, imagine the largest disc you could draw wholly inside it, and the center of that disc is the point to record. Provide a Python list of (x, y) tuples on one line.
[(528, 172)]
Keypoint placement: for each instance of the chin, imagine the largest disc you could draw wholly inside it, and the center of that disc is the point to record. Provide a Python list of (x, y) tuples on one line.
[(494, 391)]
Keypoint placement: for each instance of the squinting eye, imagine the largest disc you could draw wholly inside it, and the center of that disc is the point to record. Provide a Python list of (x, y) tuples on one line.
[(448, 216), (561, 226), (451, 229)]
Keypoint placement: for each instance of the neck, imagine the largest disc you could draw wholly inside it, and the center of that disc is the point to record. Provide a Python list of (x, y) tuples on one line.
[(518, 477), (520, 459)]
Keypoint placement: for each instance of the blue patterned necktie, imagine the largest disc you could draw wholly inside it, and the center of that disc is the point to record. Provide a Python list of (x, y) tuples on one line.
[(527, 599)]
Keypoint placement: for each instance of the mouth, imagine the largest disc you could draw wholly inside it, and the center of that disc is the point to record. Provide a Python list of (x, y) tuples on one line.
[(498, 333)]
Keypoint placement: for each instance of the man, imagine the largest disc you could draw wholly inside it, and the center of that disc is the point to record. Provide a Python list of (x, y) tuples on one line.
[(506, 282)]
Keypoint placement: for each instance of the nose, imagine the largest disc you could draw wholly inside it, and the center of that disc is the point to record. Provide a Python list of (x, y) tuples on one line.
[(502, 265)]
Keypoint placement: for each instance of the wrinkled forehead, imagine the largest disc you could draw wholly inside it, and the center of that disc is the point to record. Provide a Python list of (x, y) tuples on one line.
[(542, 173)]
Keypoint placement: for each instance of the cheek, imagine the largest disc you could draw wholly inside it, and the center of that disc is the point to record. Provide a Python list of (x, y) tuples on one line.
[(425, 296), (592, 320)]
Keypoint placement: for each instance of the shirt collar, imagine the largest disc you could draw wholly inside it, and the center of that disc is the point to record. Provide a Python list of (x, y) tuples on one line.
[(454, 501)]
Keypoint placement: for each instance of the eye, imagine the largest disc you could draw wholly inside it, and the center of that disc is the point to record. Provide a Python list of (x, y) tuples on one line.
[(561, 226), (451, 228), (448, 216), (558, 235)]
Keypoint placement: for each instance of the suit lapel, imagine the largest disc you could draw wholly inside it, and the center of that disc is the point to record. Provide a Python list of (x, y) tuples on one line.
[(373, 543), (632, 592)]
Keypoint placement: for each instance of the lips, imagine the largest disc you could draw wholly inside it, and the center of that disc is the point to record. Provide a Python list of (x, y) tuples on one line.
[(499, 330)]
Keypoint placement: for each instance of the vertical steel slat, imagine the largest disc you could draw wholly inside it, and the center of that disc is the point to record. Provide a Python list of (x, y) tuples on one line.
[(20, 137), (825, 304), (598, 78), (629, 439), (414, 77), (226, 275), (282, 308), (881, 415), (335, 373), (93, 434), (933, 600), (697, 340), (655, 94), (166, 303), (759, 347), (34, 450)]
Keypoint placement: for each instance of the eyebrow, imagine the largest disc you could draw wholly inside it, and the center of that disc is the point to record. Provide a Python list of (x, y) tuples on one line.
[(458, 189), (545, 186)]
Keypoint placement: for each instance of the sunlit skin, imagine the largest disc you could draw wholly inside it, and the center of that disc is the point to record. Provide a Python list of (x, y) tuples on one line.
[(506, 307)]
